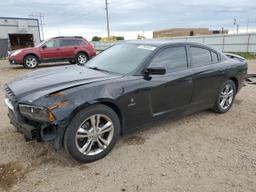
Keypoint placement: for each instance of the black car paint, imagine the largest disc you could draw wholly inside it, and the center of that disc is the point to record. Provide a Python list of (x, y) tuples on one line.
[(138, 99)]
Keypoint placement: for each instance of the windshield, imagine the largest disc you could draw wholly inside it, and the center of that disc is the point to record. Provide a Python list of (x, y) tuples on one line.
[(121, 58), (40, 44)]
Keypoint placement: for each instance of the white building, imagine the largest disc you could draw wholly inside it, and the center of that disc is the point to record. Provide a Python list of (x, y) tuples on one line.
[(16, 33)]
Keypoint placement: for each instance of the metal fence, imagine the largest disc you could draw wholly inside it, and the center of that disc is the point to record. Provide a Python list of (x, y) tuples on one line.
[(101, 45), (224, 42)]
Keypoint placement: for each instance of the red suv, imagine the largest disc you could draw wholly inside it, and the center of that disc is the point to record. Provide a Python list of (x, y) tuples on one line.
[(73, 49)]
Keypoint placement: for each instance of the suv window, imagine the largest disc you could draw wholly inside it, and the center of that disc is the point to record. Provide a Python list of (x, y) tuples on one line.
[(200, 56), (70, 42), (52, 43), (173, 58)]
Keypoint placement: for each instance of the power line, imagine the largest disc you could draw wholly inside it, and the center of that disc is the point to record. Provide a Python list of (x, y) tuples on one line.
[(40, 17)]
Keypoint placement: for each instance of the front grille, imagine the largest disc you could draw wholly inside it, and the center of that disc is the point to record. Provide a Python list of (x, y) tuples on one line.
[(9, 94)]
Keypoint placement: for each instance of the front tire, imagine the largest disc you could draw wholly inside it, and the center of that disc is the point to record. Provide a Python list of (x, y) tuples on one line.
[(92, 133), (226, 97), (30, 62)]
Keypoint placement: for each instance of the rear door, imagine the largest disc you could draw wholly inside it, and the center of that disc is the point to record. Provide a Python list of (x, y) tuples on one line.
[(172, 91), (209, 74), (68, 47)]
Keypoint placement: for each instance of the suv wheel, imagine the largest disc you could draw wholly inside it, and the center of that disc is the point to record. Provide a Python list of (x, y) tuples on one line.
[(226, 97), (81, 58), (92, 133), (30, 62)]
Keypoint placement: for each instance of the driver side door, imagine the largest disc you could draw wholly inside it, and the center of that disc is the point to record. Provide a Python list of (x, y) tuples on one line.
[(50, 50), (171, 92)]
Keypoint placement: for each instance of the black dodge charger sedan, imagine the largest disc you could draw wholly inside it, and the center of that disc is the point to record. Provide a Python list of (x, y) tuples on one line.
[(86, 108)]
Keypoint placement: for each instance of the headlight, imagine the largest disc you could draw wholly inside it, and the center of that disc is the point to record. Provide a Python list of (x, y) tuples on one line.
[(15, 52), (36, 113)]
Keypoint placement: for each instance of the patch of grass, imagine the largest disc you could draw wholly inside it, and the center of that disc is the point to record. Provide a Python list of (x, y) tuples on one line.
[(248, 56), (99, 50)]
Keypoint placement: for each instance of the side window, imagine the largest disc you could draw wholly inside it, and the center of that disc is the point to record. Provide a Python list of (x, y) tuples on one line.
[(200, 56), (214, 57), (67, 42), (78, 42), (84, 42), (173, 58), (50, 44)]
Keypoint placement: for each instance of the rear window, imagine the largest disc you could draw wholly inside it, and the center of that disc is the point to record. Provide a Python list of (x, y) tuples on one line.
[(70, 42), (200, 56)]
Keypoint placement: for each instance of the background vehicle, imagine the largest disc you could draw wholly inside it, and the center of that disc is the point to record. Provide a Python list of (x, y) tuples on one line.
[(73, 49), (125, 87), (234, 56)]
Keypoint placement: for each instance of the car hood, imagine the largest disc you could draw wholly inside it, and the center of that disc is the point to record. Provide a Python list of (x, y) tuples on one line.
[(28, 48), (23, 49), (41, 82)]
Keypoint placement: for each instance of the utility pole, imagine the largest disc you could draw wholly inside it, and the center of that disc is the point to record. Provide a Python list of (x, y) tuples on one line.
[(58, 30), (108, 31), (247, 26), (40, 17)]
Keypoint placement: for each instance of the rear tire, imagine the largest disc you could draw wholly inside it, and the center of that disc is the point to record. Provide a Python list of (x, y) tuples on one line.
[(30, 62), (81, 58), (225, 97), (92, 133)]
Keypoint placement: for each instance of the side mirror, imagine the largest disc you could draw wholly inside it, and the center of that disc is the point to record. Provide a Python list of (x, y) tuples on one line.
[(44, 46), (155, 71)]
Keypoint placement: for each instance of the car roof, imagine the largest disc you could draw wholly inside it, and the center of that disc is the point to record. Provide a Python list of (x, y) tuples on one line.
[(68, 37), (162, 42)]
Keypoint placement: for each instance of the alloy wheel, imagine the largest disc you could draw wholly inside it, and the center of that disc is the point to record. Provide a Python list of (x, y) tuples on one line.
[(82, 59), (31, 62), (94, 134), (226, 96)]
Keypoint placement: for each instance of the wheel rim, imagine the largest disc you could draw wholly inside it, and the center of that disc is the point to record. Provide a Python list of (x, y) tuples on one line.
[(94, 134), (31, 62), (82, 59), (226, 97)]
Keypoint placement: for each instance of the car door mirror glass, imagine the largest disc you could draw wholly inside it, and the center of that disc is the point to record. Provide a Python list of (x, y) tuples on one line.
[(44, 46)]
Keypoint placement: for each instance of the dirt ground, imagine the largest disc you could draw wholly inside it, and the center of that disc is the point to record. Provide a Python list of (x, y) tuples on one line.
[(201, 152)]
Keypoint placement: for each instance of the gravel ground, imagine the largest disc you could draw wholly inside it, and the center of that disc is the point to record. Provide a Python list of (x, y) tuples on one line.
[(200, 152)]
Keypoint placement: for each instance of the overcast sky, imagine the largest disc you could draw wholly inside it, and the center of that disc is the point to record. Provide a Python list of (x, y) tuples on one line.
[(130, 17)]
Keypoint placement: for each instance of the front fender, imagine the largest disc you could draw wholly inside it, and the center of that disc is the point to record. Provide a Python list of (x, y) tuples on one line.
[(66, 103)]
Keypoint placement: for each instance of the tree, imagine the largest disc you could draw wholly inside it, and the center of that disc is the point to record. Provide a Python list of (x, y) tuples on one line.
[(140, 36), (119, 38), (96, 38)]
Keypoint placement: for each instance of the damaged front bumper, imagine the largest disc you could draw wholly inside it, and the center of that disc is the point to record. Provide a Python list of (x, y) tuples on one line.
[(29, 132), (42, 132)]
